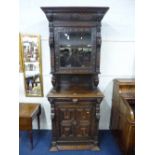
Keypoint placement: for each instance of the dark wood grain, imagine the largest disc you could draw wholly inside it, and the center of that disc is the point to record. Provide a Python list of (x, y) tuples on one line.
[(75, 119), (75, 99), (79, 92), (75, 19)]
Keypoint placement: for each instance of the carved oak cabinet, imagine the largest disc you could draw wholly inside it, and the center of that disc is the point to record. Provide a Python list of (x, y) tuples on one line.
[(75, 41)]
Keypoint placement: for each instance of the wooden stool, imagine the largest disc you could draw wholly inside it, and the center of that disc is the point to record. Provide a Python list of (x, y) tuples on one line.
[(27, 112)]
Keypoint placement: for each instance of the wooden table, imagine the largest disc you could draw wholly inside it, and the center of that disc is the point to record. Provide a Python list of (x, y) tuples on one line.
[(27, 113)]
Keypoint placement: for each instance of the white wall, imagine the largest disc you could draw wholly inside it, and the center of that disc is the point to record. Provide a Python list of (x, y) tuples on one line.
[(117, 52)]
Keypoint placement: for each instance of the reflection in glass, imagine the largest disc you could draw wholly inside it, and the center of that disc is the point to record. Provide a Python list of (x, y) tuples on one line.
[(33, 84), (75, 56), (75, 37), (30, 50), (32, 66)]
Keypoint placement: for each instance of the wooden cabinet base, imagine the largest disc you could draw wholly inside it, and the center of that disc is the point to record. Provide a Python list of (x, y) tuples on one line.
[(75, 119), (75, 147)]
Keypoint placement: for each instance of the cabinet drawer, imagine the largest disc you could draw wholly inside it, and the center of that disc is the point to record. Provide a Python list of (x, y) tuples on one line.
[(75, 100)]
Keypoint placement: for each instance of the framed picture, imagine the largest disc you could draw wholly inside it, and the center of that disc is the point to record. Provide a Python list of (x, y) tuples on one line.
[(32, 64)]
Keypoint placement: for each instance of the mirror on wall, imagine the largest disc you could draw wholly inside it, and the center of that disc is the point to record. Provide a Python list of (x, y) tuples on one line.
[(32, 65), (20, 57)]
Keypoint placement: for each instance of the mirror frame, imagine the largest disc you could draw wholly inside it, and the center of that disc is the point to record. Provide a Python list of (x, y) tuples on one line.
[(40, 63), (20, 56)]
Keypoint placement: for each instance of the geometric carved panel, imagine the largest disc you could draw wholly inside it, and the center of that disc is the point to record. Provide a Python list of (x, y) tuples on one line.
[(75, 121)]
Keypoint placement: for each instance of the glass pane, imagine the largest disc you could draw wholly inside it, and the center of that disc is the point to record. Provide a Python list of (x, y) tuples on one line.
[(75, 56), (75, 38)]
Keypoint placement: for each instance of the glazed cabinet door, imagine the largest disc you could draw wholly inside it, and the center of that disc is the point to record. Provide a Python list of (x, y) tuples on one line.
[(75, 121), (75, 49)]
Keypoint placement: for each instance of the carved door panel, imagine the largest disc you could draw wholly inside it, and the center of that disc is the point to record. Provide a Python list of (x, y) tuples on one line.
[(66, 121), (75, 121), (83, 118)]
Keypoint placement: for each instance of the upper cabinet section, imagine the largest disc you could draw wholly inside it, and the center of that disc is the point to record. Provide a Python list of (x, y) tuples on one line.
[(75, 39)]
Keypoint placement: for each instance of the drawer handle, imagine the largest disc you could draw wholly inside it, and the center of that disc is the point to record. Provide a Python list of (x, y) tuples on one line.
[(74, 100)]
